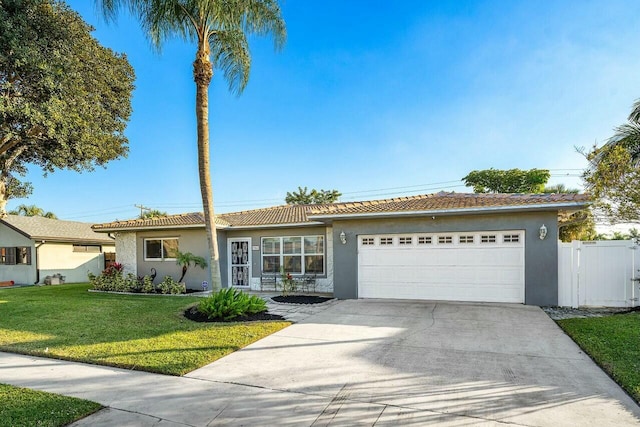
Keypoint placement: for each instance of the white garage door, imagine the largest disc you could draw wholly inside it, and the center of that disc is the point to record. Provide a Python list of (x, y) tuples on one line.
[(471, 266)]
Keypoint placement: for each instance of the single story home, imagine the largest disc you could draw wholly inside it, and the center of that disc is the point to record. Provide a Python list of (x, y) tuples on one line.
[(444, 246), (33, 247)]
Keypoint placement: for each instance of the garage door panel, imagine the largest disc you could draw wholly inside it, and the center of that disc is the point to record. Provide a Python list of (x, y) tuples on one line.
[(456, 271)]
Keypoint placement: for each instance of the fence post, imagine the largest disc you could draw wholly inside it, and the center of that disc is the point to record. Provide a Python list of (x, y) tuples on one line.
[(576, 248)]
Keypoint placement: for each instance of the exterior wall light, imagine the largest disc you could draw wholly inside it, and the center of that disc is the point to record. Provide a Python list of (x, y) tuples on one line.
[(543, 232), (343, 238)]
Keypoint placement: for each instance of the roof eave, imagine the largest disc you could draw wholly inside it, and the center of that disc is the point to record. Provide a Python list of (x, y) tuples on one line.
[(286, 225), (471, 211), (46, 239), (153, 227)]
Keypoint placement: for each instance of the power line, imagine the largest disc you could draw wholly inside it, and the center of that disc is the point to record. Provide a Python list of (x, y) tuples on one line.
[(349, 195)]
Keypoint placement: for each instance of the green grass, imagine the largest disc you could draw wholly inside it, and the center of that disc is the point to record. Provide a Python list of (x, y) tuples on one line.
[(24, 407), (614, 343), (140, 332)]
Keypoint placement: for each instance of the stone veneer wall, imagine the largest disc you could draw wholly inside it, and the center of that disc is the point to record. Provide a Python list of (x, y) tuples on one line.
[(126, 252), (326, 285)]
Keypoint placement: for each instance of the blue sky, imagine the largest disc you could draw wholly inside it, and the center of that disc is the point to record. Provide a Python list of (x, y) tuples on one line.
[(373, 98)]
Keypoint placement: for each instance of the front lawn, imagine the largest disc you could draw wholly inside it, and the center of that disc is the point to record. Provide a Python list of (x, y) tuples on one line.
[(614, 343), (24, 407), (140, 332)]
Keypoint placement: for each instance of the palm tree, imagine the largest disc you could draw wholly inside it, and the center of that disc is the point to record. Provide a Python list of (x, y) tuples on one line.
[(185, 259), (32, 210), (626, 136), (152, 214), (559, 189), (220, 30)]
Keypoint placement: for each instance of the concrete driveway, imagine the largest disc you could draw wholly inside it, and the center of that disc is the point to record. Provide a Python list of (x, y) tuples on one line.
[(366, 362), (423, 363)]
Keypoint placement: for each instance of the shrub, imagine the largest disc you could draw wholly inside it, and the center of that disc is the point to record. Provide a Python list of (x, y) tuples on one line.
[(289, 284), (112, 279), (147, 285), (170, 286), (230, 303)]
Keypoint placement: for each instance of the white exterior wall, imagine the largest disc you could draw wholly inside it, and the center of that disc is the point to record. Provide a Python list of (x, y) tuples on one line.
[(20, 274), (126, 252), (59, 258)]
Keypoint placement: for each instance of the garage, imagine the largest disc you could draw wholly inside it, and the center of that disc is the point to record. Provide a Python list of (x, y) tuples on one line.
[(482, 266)]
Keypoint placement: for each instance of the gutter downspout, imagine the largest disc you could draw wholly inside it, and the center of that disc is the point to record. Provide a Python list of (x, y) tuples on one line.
[(38, 262)]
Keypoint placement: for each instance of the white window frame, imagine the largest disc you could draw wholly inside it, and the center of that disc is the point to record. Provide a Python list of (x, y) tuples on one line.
[(144, 248), (302, 253)]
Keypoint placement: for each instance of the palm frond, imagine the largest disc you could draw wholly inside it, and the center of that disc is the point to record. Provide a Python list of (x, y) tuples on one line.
[(627, 136), (635, 112), (230, 54), (264, 17)]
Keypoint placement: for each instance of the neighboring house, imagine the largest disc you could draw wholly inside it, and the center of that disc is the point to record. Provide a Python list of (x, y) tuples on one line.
[(33, 247), (445, 246)]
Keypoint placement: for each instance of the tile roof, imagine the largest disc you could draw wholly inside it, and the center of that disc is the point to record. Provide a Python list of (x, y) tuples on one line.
[(300, 214), (285, 214), (449, 201), (40, 228), (192, 219)]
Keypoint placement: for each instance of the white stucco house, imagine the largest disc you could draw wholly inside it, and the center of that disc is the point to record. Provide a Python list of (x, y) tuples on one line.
[(32, 248)]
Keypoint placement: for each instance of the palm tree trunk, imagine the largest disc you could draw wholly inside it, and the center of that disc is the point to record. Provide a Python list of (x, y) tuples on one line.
[(202, 74)]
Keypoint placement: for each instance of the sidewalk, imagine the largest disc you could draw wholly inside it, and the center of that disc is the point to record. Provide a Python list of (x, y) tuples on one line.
[(134, 398), (137, 398)]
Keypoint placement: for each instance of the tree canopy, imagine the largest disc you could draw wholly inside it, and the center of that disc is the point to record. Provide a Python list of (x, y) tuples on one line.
[(64, 99), (507, 181), (613, 175), (305, 197)]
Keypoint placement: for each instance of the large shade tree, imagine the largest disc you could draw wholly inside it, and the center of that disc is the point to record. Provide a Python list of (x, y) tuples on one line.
[(219, 29), (64, 99), (507, 181), (613, 175)]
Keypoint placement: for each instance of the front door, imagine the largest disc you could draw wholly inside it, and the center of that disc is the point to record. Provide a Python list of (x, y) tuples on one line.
[(240, 262)]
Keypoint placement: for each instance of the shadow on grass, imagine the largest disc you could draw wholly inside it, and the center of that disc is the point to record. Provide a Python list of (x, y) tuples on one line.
[(141, 332)]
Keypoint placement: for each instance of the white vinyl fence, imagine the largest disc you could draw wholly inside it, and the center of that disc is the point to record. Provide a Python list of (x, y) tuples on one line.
[(601, 273)]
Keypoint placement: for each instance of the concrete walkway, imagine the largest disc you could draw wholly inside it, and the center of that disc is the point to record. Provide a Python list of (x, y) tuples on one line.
[(364, 363)]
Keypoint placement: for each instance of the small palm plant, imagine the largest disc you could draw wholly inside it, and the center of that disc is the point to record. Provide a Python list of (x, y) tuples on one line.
[(185, 259)]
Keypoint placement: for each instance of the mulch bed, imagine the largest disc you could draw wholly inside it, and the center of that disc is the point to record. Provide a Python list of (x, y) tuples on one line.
[(192, 313), (300, 299)]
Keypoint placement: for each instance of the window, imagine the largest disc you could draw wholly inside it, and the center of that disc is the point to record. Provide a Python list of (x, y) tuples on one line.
[(386, 240), (23, 255), (271, 254), (511, 238), (368, 241), (87, 248), (160, 249), (405, 240), (445, 239), (15, 255), (465, 239), (488, 238), (296, 255), (424, 240)]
